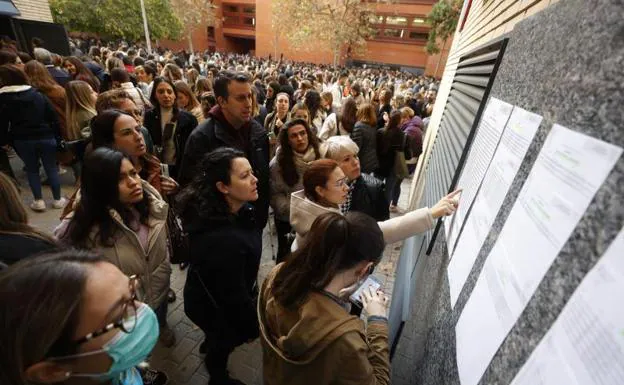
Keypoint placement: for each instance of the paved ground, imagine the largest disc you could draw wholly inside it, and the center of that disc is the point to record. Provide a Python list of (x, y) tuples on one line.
[(183, 362)]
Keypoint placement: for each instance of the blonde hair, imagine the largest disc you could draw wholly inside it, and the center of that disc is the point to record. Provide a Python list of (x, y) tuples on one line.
[(407, 112), (366, 114), (78, 94), (335, 146)]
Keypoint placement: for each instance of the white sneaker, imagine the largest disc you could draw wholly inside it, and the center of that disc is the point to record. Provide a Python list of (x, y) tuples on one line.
[(38, 205), (59, 204)]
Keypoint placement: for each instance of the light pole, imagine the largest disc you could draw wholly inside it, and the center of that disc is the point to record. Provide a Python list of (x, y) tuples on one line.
[(147, 36)]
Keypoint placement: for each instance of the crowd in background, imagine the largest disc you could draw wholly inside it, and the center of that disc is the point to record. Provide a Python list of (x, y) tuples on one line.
[(185, 158)]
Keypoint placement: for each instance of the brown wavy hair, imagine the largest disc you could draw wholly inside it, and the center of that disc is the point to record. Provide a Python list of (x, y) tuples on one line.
[(285, 157)]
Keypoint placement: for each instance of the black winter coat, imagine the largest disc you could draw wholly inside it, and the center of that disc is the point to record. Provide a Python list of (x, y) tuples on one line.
[(26, 114), (212, 134), (220, 293), (369, 197), (186, 123), (15, 247), (365, 137)]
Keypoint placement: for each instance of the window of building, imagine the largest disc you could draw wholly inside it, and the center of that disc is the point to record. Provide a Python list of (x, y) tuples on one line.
[(230, 20), (376, 19), (418, 35), (231, 8), (390, 32), (418, 21), (249, 21), (249, 9), (211, 32), (396, 20)]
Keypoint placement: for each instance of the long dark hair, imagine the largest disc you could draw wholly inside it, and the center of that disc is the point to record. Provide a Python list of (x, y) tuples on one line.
[(154, 100), (103, 127), (99, 192), (286, 155), (348, 114), (391, 132), (201, 200), (40, 303), (312, 100), (83, 73), (335, 243)]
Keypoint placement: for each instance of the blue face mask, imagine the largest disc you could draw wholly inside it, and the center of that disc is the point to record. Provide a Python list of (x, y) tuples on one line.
[(127, 350)]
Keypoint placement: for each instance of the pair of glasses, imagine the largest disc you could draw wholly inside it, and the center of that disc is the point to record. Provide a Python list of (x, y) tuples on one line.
[(128, 320), (341, 182)]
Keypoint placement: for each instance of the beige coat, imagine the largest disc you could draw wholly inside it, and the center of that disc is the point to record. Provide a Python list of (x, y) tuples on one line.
[(303, 212), (151, 265), (320, 343)]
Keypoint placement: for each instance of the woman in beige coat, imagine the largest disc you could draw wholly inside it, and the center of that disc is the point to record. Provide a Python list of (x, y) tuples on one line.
[(123, 217), (325, 189)]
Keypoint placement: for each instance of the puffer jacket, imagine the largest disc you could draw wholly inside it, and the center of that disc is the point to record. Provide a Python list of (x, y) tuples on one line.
[(151, 265), (365, 137), (320, 343), (303, 212)]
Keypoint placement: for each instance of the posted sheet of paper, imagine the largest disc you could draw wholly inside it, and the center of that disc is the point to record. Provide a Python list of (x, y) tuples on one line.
[(569, 170), (515, 142), (482, 150), (585, 345)]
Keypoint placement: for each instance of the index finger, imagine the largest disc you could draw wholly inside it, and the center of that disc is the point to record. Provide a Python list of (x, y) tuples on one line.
[(451, 195)]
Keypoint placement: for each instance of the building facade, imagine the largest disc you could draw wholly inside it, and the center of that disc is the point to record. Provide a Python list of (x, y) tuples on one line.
[(245, 26)]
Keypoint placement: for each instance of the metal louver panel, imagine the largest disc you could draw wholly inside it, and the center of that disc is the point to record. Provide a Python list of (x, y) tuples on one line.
[(469, 91)]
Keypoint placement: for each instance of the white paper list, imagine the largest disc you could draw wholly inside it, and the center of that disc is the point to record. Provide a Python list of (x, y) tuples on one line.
[(515, 142), (585, 345), (482, 150), (568, 172)]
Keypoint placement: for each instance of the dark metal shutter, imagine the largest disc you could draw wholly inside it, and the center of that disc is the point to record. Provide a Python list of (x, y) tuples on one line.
[(469, 91)]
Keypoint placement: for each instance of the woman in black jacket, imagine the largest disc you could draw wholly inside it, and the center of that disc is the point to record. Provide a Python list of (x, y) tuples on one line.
[(220, 292), (364, 134), (28, 119), (168, 126)]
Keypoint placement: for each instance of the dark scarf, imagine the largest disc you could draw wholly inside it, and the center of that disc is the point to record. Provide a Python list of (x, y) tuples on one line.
[(241, 135)]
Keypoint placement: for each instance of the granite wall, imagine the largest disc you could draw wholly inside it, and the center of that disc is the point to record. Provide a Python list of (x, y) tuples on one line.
[(566, 63)]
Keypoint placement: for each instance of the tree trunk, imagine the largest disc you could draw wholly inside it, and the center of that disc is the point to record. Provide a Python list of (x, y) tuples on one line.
[(190, 39), (336, 54), (435, 74)]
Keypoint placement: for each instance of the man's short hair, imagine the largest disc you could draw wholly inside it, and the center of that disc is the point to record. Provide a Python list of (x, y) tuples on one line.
[(43, 56), (223, 80), (338, 145)]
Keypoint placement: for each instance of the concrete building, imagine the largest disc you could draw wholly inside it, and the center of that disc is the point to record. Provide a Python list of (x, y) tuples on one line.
[(245, 26)]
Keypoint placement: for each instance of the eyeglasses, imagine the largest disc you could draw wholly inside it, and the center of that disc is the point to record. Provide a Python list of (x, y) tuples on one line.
[(128, 320), (341, 182)]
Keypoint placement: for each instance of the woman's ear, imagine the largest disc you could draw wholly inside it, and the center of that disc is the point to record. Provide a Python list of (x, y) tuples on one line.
[(320, 191), (223, 189), (46, 372)]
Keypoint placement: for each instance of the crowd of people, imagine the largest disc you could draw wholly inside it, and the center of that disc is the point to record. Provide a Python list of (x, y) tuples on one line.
[(184, 159)]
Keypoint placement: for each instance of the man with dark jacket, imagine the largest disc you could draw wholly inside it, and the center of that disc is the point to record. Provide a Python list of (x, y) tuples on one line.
[(230, 125), (43, 56), (367, 194)]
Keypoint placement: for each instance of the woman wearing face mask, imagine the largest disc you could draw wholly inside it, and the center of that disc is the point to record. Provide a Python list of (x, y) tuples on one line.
[(124, 218), (168, 126), (89, 327), (308, 335), (220, 292), (325, 189), (297, 148)]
